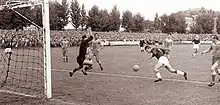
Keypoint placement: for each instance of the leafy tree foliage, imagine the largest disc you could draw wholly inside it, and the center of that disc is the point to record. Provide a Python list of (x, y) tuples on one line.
[(84, 17), (127, 21), (75, 13)]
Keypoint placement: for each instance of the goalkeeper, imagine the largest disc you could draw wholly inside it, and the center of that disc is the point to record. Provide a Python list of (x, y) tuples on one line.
[(82, 53)]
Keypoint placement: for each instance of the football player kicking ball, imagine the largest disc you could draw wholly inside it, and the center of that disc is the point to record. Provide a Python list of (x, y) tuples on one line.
[(160, 54), (215, 46)]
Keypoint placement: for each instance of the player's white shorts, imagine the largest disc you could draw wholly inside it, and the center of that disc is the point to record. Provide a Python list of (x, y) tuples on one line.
[(196, 46), (163, 60), (7, 50), (142, 48), (156, 44)]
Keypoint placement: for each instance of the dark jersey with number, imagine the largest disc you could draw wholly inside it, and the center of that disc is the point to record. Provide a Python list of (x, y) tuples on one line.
[(142, 42), (158, 52), (196, 41), (83, 47)]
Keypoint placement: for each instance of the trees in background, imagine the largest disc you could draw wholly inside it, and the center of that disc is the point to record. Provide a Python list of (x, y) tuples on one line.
[(58, 15), (84, 18), (75, 13), (104, 20), (172, 23), (127, 20), (218, 24), (204, 24)]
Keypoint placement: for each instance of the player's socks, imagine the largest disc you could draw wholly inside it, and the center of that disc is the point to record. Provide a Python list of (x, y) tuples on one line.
[(75, 70), (180, 72), (159, 79), (100, 66), (185, 75), (158, 75), (66, 59)]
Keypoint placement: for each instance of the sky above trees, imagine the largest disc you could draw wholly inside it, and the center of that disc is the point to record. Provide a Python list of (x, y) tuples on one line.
[(148, 8)]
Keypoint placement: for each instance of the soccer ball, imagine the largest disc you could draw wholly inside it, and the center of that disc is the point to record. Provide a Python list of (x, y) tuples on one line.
[(136, 68)]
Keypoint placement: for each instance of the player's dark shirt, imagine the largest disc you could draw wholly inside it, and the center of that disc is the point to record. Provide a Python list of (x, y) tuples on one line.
[(158, 52), (196, 41), (83, 47), (142, 42)]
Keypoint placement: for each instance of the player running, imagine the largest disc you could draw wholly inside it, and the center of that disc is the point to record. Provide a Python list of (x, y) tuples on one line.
[(168, 44), (196, 45), (65, 45), (82, 54), (142, 43), (215, 46), (96, 46), (160, 53)]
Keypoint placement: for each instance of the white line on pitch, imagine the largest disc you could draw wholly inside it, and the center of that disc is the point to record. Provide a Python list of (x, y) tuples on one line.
[(17, 93), (131, 76)]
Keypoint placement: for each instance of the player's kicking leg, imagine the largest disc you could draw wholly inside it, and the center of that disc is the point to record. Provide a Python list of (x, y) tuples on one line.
[(164, 61), (169, 67), (80, 62), (214, 71)]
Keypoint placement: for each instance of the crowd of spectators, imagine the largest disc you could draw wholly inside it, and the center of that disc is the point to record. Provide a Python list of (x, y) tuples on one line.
[(28, 38)]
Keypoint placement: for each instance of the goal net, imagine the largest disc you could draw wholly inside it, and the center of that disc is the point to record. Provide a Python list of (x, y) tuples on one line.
[(23, 55)]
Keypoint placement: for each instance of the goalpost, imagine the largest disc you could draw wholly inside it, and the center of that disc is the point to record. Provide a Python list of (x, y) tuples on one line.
[(46, 33), (5, 74)]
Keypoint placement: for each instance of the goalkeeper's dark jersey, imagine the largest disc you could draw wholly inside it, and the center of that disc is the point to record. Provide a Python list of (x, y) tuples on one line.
[(83, 47), (158, 52)]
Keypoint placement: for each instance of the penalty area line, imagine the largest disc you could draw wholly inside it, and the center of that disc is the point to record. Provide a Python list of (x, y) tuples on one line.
[(133, 76)]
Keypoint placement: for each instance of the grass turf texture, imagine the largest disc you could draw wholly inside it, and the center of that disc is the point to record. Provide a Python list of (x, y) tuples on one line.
[(118, 84)]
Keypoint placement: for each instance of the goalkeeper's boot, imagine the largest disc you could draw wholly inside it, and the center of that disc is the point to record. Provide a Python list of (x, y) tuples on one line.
[(159, 79)]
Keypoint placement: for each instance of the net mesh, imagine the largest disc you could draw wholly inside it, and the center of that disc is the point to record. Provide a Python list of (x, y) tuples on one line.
[(21, 62), (21, 70)]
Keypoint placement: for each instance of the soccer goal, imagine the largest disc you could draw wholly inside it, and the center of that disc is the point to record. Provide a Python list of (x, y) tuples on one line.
[(25, 56)]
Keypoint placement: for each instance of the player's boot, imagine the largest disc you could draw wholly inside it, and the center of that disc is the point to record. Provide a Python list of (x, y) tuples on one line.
[(84, 72), (211, 84), (159, 79), (185, 75), (71, 73)]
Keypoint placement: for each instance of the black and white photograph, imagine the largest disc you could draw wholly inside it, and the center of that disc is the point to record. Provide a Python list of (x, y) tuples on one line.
[(109, 52)]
